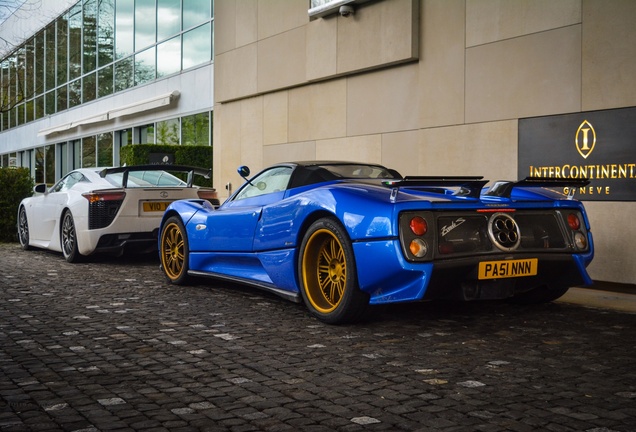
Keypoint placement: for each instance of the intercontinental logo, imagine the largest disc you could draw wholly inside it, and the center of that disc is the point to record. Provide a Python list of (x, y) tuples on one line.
[(585, 142), (585, 139)]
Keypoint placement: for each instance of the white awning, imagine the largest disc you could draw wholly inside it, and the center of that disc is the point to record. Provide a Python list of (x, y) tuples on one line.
[(89, 120), (55, 129), (144, 105), (134, 108)]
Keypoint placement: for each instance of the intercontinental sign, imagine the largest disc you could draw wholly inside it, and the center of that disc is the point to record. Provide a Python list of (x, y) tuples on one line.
[(597, 145)]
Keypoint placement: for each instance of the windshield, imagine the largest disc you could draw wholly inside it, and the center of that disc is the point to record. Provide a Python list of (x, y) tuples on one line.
[(359, 171), (146, 179)]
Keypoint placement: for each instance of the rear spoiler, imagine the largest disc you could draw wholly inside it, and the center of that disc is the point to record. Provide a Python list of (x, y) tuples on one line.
[(504, 188), (206, 173), (469, 186)]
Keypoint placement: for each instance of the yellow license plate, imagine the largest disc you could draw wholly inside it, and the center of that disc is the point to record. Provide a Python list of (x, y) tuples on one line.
[(508, 268), (155, 206)]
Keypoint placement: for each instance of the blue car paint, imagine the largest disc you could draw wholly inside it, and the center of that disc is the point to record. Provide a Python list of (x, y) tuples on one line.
[(256, 240)]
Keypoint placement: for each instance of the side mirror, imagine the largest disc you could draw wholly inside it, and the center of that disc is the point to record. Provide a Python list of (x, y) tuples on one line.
[(244, 171), (40, 188)]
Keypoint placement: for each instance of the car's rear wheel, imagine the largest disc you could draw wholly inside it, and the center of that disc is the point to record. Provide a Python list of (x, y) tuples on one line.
[(174, 251), (541, 294), (327, 274), (23, 229), (68, 239)]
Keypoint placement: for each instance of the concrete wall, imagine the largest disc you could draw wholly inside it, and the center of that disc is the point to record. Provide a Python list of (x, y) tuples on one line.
[(424, 86)]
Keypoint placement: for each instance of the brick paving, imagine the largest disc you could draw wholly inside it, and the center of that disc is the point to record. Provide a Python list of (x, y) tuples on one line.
[(109, 346)]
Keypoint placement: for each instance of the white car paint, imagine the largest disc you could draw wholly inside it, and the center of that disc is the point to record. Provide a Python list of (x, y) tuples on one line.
[(46, 209)]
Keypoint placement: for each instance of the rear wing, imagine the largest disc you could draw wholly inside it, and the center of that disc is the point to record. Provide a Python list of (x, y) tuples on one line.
[(472, 186), (504, 188), (206, 173), (468, 186)]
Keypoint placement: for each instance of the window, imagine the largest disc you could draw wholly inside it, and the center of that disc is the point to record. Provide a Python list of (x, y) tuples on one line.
[(197, 46), (62, 98), (106, 32), (105, 149), (75, 42), (89, 87), (273, 180), (50, 57), (195, 129), (39, 165), (68, 182), (62, 55), (145, 66), (90, 35), (124, 19), (168, 132), (74, 93), (50, 103), (145, 23), (88, 152), (169, 57), (39, 107), (146, 134), (39, 63), (105, 81), (168, 18), (30, 68), (195, 12), (124, 71)]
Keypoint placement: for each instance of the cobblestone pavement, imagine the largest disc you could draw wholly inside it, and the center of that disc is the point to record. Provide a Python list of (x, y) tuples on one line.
[(109, 346)]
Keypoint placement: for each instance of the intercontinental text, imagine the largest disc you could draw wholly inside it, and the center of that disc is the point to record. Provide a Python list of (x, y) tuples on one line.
[(608, 171)]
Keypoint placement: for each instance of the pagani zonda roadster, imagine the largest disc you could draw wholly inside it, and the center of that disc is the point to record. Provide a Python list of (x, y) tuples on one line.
[(340, 236)]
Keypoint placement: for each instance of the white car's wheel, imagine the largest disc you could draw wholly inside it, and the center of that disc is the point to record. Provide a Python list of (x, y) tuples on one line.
[(23, 229), (68, 239)]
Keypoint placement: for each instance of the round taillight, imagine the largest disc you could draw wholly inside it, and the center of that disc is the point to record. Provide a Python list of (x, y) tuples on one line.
[(418, 225), (580, 241), (418, 247), (574, 222)]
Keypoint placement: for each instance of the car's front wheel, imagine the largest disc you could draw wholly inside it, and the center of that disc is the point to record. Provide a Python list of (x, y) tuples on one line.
[(68, 239), (327, 274), (23, 229), (174, 251)]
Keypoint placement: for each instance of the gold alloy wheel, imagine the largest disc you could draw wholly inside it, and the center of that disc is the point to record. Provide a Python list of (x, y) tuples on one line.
[(172, 251), (324, 271)]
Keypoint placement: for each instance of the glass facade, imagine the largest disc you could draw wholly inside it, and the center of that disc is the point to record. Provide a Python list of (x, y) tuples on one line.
[(102, 150), (93, 50), (99, 47)]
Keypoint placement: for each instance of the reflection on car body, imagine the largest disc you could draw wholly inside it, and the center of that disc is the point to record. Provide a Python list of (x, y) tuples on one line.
[(341, 236)]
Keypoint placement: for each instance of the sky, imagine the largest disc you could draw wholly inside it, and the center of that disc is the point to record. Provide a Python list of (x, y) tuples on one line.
[(7, 7)]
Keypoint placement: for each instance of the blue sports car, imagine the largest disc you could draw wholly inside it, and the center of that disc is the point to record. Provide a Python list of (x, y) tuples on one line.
[(341, 236)]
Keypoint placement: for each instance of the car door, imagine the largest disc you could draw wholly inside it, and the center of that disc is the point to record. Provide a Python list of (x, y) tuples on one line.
[(48, 210), (233, 226)]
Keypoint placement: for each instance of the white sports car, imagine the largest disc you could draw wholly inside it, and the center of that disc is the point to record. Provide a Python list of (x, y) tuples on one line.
[(94, 210)]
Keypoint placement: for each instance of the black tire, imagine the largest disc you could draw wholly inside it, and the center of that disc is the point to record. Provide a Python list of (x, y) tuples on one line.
[(541, 294), (23, 229), (68, 239), (327, 274), (174, 251)]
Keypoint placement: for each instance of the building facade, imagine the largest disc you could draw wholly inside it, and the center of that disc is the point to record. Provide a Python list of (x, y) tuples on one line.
[(428, 87), (81, 79)]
